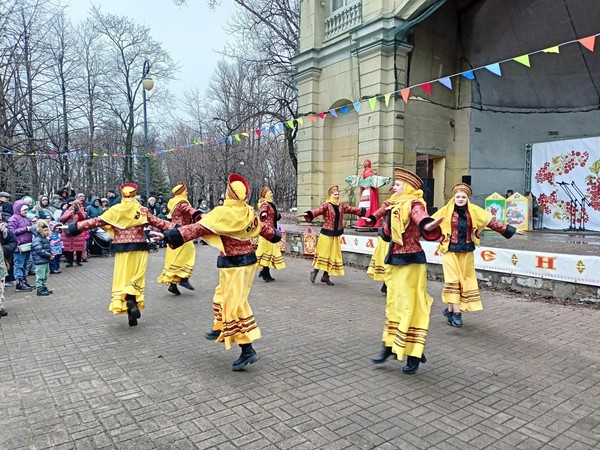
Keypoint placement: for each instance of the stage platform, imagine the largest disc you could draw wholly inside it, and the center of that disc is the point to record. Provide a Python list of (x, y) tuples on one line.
[(558, 264)]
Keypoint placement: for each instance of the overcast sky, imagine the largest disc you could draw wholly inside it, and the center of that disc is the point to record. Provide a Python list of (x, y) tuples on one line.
[(192, 34)]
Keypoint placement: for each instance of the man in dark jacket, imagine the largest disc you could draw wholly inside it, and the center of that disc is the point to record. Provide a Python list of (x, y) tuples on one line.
[(6, 206), (8, 240), (113, 198)]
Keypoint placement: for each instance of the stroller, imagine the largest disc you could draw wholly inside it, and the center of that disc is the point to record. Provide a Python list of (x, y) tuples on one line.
[(100, 242)]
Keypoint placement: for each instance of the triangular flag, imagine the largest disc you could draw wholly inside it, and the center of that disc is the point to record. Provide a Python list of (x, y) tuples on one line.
[(469, 75), (311, 117), (197, 142), (300, 121), (494, 68), (245, 134), (588, 42), (446, 82), (290, 123), (387, 99), (404, 93), (230, 139), (344, 109), (280, 126), (372, 103), (524, 59), (357, 106), (321, 115), (237, 138), (426, 87), (333, 113), (554, 49), (257, 133), (272, 128)]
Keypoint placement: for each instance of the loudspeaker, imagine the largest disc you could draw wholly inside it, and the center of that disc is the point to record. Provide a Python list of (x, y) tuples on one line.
[(427, 188), (466, 179)]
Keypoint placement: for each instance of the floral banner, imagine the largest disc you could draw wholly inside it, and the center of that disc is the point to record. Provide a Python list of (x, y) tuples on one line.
[(565, 179)]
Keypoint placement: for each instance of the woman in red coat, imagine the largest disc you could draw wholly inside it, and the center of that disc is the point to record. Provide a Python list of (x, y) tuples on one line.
[(73, 245)]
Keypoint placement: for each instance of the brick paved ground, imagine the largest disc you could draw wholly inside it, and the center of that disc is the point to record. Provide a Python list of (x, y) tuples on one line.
[(520, 374)]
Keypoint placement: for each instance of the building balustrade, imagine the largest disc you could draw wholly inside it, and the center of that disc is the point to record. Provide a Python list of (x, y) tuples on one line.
[(343, 19)]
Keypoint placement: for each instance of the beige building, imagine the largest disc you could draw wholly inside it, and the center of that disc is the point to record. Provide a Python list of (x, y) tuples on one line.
[(352, 50)]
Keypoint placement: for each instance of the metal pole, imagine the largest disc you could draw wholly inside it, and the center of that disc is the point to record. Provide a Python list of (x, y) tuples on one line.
[(146, 160)]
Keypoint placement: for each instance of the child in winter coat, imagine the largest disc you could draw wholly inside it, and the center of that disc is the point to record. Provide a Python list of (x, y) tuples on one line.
[(42, 255), (56, 245)]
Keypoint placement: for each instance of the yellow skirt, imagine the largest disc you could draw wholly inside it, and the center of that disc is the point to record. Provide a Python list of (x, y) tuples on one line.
[(377, 265), (269, 255), (232, 312), (460, 281), (129, 277), (407, 310), (179, 264), (328, 255)]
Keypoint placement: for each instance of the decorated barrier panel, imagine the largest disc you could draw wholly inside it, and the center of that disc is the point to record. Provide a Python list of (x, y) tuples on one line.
[(554, 266)]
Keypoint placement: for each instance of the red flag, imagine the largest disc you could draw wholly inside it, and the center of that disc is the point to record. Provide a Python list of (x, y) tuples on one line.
[(588, 42)]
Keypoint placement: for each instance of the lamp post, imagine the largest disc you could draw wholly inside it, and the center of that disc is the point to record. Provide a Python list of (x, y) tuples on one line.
[(147, 84)]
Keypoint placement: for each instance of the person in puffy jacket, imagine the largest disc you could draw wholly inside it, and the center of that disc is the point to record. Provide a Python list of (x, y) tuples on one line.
[(21, 226), (42, 255), (74, 246)]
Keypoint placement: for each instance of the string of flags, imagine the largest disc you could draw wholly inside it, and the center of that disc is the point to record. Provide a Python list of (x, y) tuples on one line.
[(588, 42)]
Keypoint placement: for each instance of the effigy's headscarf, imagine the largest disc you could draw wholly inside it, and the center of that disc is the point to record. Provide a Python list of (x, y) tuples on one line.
[(179, 195), (330, 198), (479, 217), (129, 212), (236, 218), (400, 211)]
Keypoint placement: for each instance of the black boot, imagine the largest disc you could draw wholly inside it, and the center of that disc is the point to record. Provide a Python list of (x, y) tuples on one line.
[(185, 283), (412, 364), (385, 354), (267, 277), (248, 356), (48, 290), (173, 289), (41, 292), (133, 312), (262, 273), (313, 275), (212, 335), (325, 279)]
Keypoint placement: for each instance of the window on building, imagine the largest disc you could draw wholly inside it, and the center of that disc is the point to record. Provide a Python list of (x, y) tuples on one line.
[(337, 4)]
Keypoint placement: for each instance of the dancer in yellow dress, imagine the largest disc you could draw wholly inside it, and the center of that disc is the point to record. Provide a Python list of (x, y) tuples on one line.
[(230, 228), (328, 254), (268, 254), (461, 228), (126, 222), (408, 304), (179, 263)]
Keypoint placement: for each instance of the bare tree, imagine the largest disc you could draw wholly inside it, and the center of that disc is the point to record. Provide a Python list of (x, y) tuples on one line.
[(127, 46)]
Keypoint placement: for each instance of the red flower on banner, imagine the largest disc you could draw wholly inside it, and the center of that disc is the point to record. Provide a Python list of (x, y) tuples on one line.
[(561, 165), (593, 185)]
